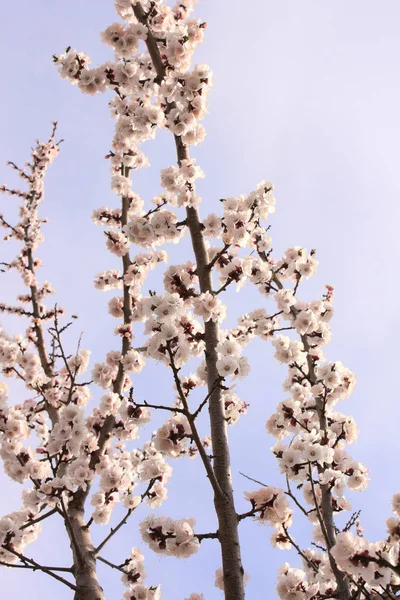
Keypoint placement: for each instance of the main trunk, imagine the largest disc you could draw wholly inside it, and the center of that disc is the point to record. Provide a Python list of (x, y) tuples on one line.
[(84, 569)]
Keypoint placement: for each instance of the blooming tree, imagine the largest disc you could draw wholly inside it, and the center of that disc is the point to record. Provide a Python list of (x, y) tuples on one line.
[(74, 443)]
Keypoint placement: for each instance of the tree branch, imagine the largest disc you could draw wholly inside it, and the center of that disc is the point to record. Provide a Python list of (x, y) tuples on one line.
[(251, 479), (37, 566), (312, 565), (207, 536), (293, 497), (206, 399), (110, 564), (161, 407), (42, 518)]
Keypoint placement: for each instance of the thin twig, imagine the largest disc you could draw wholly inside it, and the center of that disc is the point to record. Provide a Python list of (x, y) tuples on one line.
[(206, 399), (35, 568), (173, 409), (217, 257), (45, 516), (293, 497), (123, 521), (110, 564), (41, 568), (251, 479), (206, 461), (312, 565)]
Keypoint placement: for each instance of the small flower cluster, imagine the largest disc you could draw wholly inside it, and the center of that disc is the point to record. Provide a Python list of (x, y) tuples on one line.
[(178, 36), (234, 406), (134, 577), (374, 563), (186, 95), (230, 361), (209, 307), (70, 437), (121, 472), (293, 586), (124, 40), (156, 230), (16, 534), (14, 355), (175, 335), (173, 438), (179, 183), (169, 537), (105, 374), (269, 504), (242, 215)]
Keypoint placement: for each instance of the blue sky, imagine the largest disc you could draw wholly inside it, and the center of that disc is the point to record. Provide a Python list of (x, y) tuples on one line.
[(306, 95)]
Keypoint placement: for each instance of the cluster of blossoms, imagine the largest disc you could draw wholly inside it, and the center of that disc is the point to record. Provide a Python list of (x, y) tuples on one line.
[(230, 361), (169, 537), (105, 374), (14, 355), (180, 183), (234, 406), (242, 215), (270, 505), (120, 472), (134, 577), (172, 439), (134, 277), (159, 228), (16, 533), (375, 563), (178, 35), (124, 40), (187, 92), (174, 334)]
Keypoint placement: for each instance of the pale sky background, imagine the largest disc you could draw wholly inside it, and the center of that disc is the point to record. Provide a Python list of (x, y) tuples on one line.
[(306, 95)]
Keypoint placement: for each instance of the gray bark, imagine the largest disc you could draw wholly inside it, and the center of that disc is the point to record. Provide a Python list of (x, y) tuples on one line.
[(84, 569)]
